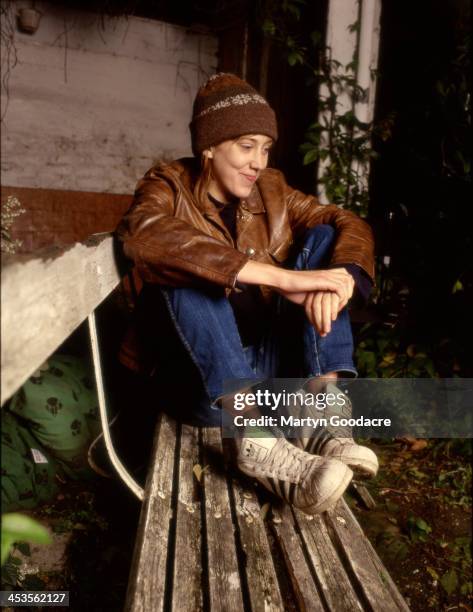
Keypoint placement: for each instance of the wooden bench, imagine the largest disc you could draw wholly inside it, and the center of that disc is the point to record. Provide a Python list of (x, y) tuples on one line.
[(215, 544), (208, 538)]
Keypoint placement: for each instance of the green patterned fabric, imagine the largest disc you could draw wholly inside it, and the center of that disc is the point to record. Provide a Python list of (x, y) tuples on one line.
[(59, 406), (28, 470)]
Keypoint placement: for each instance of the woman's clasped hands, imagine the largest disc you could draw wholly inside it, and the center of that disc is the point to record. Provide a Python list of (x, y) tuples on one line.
[(322, 293)]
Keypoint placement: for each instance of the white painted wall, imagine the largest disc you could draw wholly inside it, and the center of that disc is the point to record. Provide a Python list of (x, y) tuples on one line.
[(92, 108)]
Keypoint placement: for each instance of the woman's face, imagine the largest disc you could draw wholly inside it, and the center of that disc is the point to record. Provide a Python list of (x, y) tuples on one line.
[(236, 164)]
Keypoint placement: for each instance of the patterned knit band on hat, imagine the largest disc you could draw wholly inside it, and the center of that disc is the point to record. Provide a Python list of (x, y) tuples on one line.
[(227, 107)]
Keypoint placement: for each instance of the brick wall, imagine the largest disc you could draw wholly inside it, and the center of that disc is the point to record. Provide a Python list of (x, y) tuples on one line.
[(55, 217)]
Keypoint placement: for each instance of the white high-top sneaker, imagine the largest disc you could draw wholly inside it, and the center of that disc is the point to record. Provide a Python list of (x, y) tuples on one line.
[(312, 484), (337, 442)]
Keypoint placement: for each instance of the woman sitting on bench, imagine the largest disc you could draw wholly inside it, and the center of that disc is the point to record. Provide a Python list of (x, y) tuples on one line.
[(247, 267)]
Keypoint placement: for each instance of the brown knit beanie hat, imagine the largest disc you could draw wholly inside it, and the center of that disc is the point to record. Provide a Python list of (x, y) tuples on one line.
[(227, 107)]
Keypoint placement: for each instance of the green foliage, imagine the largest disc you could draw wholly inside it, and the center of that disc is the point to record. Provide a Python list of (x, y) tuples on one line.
[(452, 97), (382, 353), (17, 531), (394, 544), (11, 572), (13, 579), (461, 448), (458, 484), (19, 527), (340, 140), (418, 529), (449, 581), (461, 556), (459, 576)]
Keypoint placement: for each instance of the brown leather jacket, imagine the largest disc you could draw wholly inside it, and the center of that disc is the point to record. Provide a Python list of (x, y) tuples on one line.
[(174, 240)]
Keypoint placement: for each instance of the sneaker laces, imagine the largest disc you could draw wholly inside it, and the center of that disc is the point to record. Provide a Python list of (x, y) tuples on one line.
[(340, 432), (290, 463), (347, 440)]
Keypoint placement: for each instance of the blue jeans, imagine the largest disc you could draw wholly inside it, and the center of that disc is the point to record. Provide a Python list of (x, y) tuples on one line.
[(206, 326)]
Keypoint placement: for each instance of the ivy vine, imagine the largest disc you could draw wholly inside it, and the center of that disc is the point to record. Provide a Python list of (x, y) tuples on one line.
[(338, 139)]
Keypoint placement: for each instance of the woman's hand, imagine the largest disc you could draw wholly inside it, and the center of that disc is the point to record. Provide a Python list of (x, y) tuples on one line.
[(295, 284), (335, 281), (321, 309), (322, 293)]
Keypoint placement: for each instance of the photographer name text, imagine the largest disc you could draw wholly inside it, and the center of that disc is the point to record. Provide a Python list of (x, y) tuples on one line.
[(292, 421)]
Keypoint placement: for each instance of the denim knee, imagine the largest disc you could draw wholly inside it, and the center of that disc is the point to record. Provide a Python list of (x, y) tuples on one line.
[(205, 322), (320, 233), (316, 248)]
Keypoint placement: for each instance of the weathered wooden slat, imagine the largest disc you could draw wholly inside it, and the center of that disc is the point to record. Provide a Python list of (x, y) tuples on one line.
[(261, 576), (335, 585), (367, 568), (363, 495), (44, 298), (146, 590), (298, 571), (225, 592), (328, 560), (187, 578)]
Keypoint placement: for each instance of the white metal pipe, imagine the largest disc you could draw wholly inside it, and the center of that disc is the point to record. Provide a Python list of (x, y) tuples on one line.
[(366, 72), (368, 57), (114, 459), (341, 45)]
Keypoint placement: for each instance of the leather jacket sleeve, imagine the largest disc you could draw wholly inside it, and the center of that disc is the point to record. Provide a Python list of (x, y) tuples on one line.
[(168, 250), (174, 242), (354, 243)]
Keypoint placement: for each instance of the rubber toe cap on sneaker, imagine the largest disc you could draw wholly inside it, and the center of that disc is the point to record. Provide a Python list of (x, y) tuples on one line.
[(328, 486), (360, 458)]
